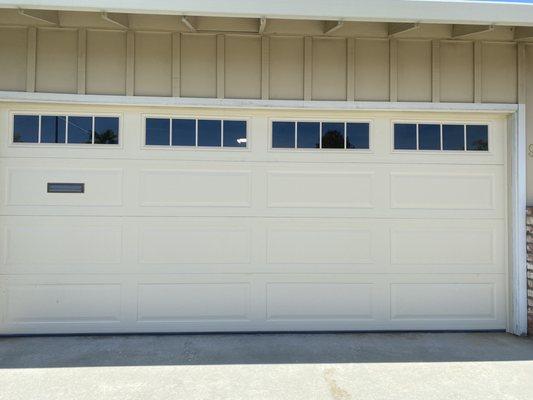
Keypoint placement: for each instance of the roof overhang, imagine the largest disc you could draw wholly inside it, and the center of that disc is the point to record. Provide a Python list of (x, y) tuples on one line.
[(498, 12)]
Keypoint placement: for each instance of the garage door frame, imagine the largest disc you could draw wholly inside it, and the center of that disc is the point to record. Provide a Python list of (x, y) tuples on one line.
[(517, 313)]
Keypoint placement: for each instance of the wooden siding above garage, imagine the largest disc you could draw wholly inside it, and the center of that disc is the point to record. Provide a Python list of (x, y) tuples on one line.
[(232, 66)]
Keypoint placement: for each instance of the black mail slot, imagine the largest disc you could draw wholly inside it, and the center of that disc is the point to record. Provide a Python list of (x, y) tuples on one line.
[(66, 187)]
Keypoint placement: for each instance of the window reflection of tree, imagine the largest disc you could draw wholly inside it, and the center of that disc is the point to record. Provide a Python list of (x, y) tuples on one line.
[(480, 144), (106, 137), (334, 140)]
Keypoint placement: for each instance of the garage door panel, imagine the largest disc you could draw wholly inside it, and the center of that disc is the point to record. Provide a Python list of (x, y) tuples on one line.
[(64, 244), (171, 302), (443, 191), (28, 187), (321, 189), (320, 301), (63, 303), (319, 246), (430, 301), (461, 247), (194, 244), (250, 302), (195, 188)]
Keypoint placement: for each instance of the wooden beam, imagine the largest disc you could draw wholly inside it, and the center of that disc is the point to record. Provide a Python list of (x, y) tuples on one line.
[(308, 68), (82, 57), (265, 67), (393, 70), (120, 20), (396, 29), (262, 25), (130, 63), (189, 24), (332, 26), (478, 70), (464, 31), (31, 57), (176, 64), (221, 64), (48, 16)]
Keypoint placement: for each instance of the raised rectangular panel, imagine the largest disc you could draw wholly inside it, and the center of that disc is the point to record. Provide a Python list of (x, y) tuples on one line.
[(193, 302), (329, 69), (194, 245), (242, 67), (319, 246), (442, 246), (442, 191), (372, 70), (499, 73), (286, 75), (198, 66), (414, 70), (68, 243), (457, 71), (71, 303), (436, 301), (28, 187), (106, 62), (195, 188), (153, 64), (57, 61), (319, 301), (320, 189), (13, 54)]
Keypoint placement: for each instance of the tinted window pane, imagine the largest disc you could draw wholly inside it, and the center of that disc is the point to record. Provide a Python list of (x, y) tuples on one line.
[(429, 137), (477, 137), (26, 129), (453, 137), (53, 129), (183, 132), (308, 135), (283, 135), (106, 130), (235, 134), (332, 135), (358, 135), (209, 133), (157, 132), (80, 129), (405, 136)]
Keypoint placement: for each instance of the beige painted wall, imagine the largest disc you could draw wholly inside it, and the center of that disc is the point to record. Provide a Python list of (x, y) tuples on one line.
[(96, 61)]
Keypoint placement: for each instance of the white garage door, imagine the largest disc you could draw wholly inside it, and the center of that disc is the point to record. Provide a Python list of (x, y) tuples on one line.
[(228, 220)]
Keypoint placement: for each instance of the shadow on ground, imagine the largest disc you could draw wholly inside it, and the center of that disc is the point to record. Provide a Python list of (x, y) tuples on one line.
[(224, 349)]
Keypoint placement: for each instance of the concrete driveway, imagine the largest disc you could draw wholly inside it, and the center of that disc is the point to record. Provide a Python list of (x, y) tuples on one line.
[(269, 366)]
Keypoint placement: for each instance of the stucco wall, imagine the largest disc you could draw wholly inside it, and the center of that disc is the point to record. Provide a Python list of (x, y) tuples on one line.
[(282, 66)]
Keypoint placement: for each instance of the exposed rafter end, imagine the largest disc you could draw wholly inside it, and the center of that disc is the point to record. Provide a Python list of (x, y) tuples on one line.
[(332, 26), (188, 23), (523, 33), (262, 25), (464, 31), (121, 20), (396, 29), (47, 16)]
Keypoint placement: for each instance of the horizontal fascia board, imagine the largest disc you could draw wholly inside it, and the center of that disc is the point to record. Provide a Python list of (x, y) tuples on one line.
[(143, 101), (430, 11)]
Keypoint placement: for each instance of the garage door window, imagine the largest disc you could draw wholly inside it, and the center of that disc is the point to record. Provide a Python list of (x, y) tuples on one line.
[(191, 132), (65, 129), (320, 135), (447, 137)]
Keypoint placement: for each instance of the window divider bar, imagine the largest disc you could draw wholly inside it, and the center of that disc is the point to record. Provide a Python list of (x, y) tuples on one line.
[(170, 130)]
